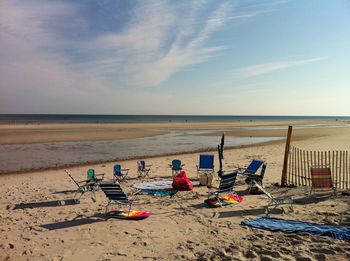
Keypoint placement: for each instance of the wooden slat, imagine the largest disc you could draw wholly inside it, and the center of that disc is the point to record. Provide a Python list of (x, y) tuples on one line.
[(308, 168)]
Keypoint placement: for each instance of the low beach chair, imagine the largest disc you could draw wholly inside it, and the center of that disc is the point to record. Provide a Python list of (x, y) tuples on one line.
[(143, 169), (176, 166), (92, 176), (321, 179), (251, 173), (272, 201), (116, 195), (84, 187), (119, 174), (227, 183)]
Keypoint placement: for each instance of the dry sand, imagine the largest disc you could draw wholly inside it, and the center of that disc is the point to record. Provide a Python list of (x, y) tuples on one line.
[(181, 228)]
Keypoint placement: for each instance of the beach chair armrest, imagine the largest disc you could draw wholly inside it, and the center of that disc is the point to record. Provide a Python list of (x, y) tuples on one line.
[(150, 165)]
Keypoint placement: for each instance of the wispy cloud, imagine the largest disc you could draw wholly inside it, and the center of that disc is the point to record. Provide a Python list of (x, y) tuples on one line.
[(161, 40), (265, 68)]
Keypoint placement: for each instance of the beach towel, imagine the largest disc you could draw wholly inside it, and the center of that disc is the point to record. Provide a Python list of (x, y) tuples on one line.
[(182, 182), (154, 185), (295, 226), (224, 200), (132, 214)]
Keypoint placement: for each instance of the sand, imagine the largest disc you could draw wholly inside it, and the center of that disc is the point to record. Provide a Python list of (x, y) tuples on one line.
[(182, 227)]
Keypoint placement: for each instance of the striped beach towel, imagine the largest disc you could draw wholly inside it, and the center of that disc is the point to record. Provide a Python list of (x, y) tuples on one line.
[(295, 226)]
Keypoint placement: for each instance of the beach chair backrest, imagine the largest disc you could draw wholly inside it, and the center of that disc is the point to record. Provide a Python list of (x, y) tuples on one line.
[(91, 175), (206, 161), (227, 182), (321, 177), (117, 170), (141, 165), (253, 166), (114, 192), (176, 165)]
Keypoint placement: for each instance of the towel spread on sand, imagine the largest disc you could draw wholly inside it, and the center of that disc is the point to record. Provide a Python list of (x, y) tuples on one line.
[(154, 185), (294, 226), (156, 188)]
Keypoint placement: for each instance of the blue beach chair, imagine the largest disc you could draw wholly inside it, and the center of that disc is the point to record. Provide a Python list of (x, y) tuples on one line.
[(176, 166), (251, 173), (206, 164), (119, 174)]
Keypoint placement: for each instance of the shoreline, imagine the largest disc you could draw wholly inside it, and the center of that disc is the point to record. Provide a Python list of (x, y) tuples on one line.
[(89, 163)]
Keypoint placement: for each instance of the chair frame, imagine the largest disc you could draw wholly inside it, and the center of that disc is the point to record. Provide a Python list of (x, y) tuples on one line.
[(143, 169), (87, 187), (122, 176), (272, 201)]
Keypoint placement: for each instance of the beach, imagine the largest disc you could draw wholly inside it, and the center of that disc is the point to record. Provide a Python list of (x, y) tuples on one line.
[(38, 220)]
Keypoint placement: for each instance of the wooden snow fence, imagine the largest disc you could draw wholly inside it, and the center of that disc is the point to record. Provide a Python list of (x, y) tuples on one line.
[(300, 161)]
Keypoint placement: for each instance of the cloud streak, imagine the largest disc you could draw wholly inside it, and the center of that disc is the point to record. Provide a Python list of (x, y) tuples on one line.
[(265, 68)]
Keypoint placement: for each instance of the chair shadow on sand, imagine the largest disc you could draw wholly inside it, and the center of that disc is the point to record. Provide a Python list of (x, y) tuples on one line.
[(76, 222), (248, 212), (45, 204)]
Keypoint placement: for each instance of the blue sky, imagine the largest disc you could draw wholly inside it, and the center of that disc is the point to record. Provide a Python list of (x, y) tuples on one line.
[(175, 57)]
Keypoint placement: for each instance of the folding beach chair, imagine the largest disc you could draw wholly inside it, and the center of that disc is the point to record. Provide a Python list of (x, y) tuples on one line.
[(224, 195), (143, 169), (251, 173), (116, 195), (321, 179), (92, 176), (205, 169), (206, 164), (176, 166), (272, 201), (84, 187), (119, 174)]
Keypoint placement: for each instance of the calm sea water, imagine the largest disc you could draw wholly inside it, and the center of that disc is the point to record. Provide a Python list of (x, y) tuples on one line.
[(71, 118)]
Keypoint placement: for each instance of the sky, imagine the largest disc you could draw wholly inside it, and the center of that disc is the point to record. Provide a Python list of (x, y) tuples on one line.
[(175, 57)]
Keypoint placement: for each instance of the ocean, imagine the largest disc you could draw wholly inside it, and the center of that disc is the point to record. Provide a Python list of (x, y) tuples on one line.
[(85, 118)]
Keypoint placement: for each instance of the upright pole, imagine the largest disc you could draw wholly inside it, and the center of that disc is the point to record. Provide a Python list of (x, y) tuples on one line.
[(285, 161)]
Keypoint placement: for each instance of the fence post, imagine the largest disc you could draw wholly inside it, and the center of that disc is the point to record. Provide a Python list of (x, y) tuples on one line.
[(285, 161)]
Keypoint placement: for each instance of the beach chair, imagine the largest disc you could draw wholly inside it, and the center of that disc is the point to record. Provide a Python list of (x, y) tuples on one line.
[(272, 201), (224, 195), (92, 176), (176, 166), (143, 169), (119, 174), (116, 195), (251, 173), (206, 164), (84, 187), (321, 179)]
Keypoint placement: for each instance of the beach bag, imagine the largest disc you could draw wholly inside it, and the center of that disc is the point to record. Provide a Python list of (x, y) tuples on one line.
[(182, 182)]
